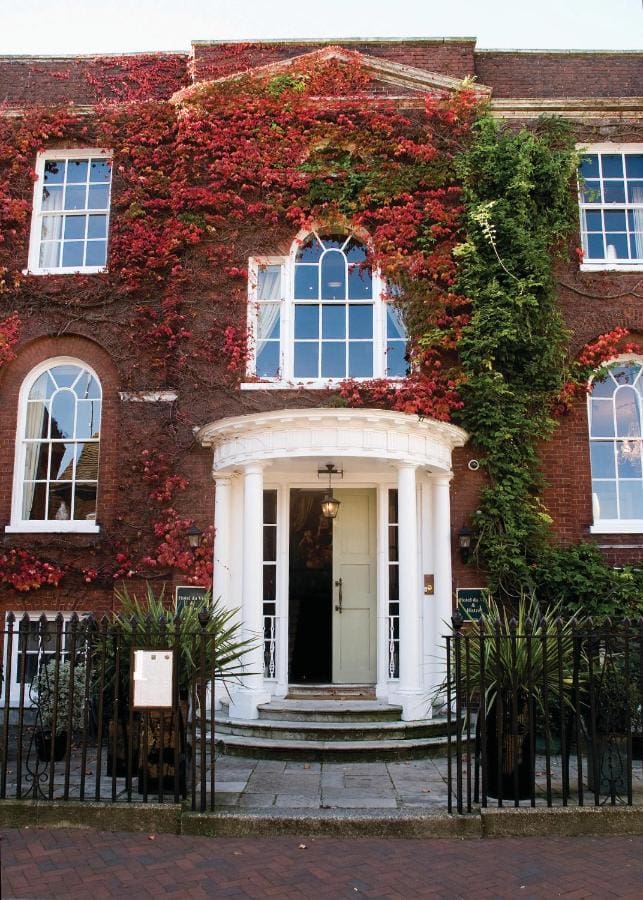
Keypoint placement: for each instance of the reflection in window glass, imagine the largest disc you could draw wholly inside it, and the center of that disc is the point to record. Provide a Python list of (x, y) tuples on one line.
[(61, 438), (616, 444)]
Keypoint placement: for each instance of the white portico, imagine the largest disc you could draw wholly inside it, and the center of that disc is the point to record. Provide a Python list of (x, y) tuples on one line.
[(339, 601)]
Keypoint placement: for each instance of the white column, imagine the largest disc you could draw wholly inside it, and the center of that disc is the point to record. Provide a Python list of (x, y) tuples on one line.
[(411, 693), (222, 530), (382, 594), (252, 691), (442, 570)]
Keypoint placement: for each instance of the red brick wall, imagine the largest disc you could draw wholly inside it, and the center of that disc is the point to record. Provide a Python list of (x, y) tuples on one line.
[(563, 74)]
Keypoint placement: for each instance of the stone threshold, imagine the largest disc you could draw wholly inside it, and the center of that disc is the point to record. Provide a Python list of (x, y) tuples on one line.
[(176, 819)]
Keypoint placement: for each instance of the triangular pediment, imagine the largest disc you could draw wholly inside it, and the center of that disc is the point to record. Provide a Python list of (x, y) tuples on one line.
[(387, 77)]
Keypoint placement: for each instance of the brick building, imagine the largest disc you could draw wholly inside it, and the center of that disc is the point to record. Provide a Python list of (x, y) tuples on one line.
[(107, 423)]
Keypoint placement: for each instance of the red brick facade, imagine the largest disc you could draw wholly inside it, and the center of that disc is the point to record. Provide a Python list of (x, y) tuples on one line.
[(591, 303)]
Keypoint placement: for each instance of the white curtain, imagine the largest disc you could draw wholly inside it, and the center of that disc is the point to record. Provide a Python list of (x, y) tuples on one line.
[(267, 317), (33, 429), (269, 283), (396, 319), (637, 197), (51, 229)]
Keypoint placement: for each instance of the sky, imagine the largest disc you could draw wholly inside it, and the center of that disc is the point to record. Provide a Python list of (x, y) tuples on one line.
[(104, 26)]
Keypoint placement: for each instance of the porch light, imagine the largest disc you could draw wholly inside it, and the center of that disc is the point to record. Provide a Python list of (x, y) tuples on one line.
[(195, 535), (329, 505), (464, 542)]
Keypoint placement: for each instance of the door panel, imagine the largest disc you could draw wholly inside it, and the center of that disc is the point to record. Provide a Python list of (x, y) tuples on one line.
[(355, 565)]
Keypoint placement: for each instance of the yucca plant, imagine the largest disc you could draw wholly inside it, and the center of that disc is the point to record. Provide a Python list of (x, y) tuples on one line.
[(151, 623), (517, 664)]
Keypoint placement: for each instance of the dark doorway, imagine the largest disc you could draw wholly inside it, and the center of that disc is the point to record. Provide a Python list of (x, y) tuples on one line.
[(311, 592)]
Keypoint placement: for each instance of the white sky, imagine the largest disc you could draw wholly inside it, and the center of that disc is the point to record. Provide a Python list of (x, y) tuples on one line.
[(99, 26)]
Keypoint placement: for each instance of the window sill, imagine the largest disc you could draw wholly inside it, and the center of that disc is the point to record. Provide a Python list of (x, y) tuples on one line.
[(615, 526), (53, 528), (83, 270), (314, 384), (612, 267)]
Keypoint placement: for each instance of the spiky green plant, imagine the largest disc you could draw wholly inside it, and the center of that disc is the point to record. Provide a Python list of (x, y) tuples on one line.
[(151, 623), (524, 651)]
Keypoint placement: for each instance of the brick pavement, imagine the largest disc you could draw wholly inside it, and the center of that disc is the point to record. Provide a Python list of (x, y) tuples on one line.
[(86, 864)]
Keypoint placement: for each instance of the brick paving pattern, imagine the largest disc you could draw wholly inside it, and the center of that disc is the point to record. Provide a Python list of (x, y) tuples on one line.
[(85, 864)]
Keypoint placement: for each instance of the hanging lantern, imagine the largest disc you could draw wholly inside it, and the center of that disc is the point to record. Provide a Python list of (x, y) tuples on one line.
[(329, 505)]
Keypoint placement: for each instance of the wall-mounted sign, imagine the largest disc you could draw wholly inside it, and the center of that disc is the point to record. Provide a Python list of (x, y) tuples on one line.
[(472, 603), (152, 676), (189, 593), (429, 583)]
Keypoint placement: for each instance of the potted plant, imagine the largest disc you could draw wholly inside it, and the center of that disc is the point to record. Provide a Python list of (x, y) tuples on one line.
[(58, 695), (521, 671), (151, 624)]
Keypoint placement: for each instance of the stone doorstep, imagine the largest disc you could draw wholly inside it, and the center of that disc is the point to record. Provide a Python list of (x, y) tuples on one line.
[(404, 823)]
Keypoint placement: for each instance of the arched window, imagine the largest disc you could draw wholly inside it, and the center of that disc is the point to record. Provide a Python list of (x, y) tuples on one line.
[(57, 448), (616, 447), (320, 316)]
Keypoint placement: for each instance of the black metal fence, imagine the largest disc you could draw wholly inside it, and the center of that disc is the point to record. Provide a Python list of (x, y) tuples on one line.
[(551, 713), (69, 726)]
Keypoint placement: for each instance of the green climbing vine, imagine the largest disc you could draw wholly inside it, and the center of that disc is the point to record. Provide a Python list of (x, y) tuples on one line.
[(521, 211)]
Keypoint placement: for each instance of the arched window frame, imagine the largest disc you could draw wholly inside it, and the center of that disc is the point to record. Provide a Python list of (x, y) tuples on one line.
[(602, 525), (18, 524), (286, 265)]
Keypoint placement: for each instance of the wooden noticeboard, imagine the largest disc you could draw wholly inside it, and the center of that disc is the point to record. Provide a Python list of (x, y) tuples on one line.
[(472, 603)]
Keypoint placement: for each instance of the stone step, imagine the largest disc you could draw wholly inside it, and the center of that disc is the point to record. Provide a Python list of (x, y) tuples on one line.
[(330, 751), (331, 692), (330, 711), (330, 731)]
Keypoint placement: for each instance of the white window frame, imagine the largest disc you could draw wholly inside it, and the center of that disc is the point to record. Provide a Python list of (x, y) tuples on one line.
[(609, 265), (33, 265), (19, 525), (611, 526), (11, 666), (286, 379)]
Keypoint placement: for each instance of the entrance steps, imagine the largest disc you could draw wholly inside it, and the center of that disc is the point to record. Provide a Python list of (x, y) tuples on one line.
[(325, 730)]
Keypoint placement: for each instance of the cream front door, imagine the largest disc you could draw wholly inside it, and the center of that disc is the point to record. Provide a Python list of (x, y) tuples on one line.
[(355, 588)]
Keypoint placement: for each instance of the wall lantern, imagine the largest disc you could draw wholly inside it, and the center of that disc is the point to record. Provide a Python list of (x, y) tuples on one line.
[(195, 536), (329, 505), (464, 542)]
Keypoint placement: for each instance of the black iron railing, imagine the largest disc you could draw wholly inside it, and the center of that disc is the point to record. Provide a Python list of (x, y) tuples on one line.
[(70, 730), (548, 715)]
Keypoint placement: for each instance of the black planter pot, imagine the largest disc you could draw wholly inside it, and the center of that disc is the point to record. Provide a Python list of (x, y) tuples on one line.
[(45, 746), (512, 755)]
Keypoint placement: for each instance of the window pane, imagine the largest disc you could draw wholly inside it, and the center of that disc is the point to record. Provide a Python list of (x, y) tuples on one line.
[(54, 171), (636, 245), (360, 283), (333, 276), (269, 283), (333, 359), (614, 221), (74, 227), (614, 192), (62, 414), (307, 321), (592, 220), (62, 461), (612, 165), (96, 253), (34, 498), (396, 364), (37, 424), (52, 198), (603, 386), (631, 499), (589, 166), (591, 192), (269, 585), (602, 453), (625, 374), (306, 279), (392, 505), (87, 461), (269, 544), (85, 501), (360, 321), (37, 462), (602, 418), (629, 459), (604, 499), (270, 507), (310, 251), (268, 360), (97, 227), (616, 246), (73, 253), (635, 194), (59, 501), (100, 170), (75, 195), (628, 423), (49, 255), (595, 246), (306, 360), (355, 252), (66, 375), (98, 196), (333, 321), (393, 584), (393, 543), (360, 359)]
